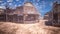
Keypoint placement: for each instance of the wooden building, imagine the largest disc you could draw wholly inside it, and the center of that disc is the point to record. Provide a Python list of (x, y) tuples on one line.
[(48, 16), (23, 14), (54, 14), (2, 15)]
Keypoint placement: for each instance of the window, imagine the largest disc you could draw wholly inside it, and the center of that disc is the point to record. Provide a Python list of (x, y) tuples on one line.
[(30, 18)]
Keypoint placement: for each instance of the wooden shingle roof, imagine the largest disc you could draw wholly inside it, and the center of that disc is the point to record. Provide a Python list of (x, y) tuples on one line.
[(24, 10)]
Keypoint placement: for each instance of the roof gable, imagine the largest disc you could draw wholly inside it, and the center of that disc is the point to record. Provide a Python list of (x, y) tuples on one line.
[(28, 4)]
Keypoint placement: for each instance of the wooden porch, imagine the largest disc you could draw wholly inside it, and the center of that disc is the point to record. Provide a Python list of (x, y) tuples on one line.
[(23, 18)]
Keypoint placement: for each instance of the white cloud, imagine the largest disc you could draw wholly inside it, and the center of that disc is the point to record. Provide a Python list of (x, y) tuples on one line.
[(15, 5), (3, 3), (0, 1), (43, 2), (9, 0), (37, 0), (40, 6), (10, 3), (3, 7), (19, 5)]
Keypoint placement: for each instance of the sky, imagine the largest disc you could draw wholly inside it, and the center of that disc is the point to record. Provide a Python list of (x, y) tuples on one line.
[(43, 6)]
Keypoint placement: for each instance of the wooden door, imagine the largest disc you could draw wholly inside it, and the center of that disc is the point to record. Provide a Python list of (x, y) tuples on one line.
[(55, 17)]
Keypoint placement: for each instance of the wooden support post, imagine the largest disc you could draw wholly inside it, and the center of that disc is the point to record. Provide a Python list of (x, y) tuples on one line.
[(18, 19), (6, 16), (24, 18), (38, 19), (13, 18)]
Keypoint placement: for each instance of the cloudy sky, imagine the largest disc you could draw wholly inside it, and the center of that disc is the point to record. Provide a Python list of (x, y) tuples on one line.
[(42, 6)]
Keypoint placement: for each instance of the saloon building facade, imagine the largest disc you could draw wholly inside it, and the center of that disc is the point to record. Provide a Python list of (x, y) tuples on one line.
[(22, 14)]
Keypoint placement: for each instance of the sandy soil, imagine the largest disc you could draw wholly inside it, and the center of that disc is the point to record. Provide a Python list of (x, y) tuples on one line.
[(36, 28)]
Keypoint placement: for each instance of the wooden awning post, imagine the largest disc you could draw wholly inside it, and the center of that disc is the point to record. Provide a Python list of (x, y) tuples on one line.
[(24, 19)]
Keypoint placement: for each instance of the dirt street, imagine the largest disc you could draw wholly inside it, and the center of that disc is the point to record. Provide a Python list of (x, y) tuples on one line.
[(36, 28)]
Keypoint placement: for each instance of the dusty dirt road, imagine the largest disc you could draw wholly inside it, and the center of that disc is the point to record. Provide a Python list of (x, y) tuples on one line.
[(36, 28)]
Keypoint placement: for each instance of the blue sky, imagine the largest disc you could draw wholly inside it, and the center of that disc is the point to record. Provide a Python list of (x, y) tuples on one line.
[(42, 6)]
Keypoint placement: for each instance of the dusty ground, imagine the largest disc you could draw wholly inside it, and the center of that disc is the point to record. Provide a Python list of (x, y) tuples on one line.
[(36, 28)]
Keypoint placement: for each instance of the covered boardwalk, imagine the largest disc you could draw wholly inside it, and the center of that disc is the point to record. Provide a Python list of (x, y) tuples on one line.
[(22, 14)]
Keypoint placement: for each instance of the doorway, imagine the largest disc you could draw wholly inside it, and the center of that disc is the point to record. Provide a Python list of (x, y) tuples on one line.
[(55, 18)]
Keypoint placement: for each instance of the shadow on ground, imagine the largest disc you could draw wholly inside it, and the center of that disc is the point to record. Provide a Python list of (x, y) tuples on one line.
[(50, 23)]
